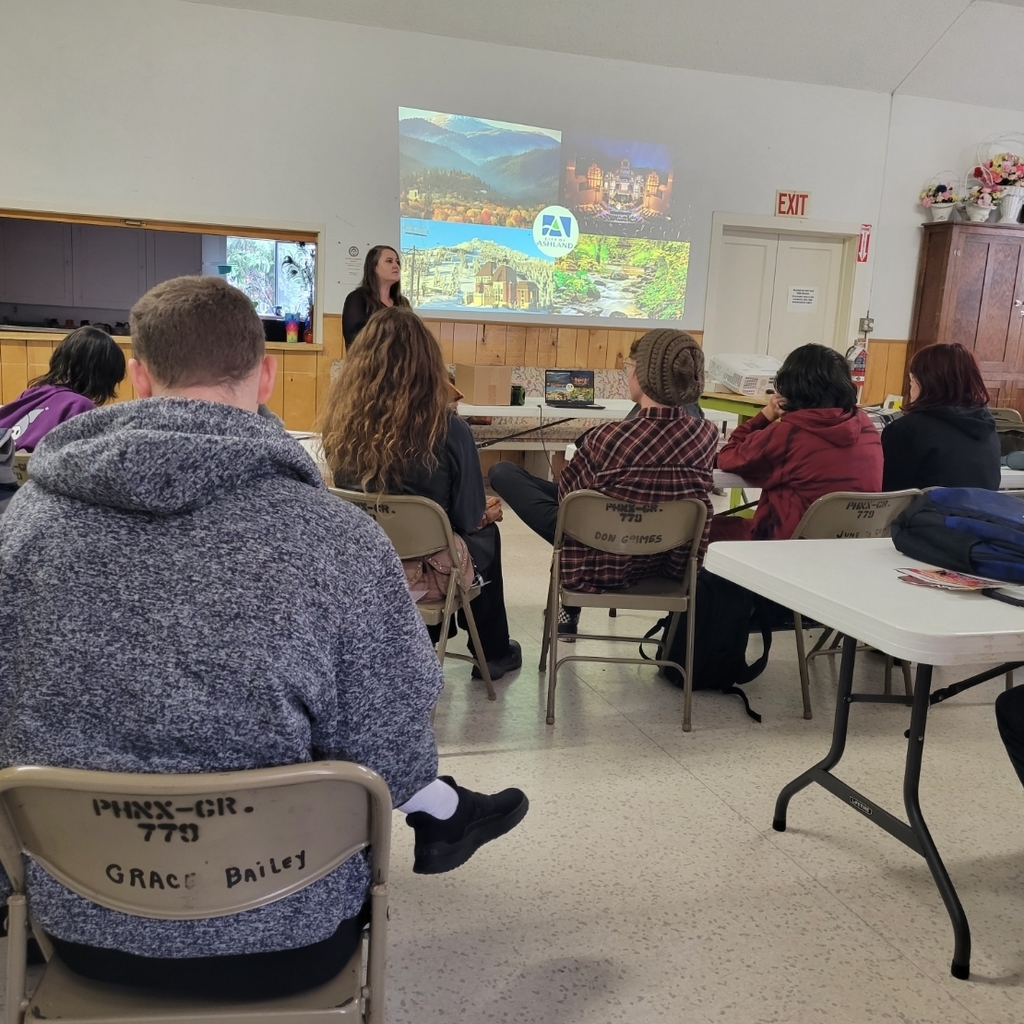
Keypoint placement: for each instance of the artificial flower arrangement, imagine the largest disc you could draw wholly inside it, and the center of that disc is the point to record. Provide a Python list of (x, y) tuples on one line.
[(985, 196), (1002, 169), (942, 194)]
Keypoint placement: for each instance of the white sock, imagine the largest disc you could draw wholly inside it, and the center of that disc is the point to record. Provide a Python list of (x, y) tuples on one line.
[(438, 800)]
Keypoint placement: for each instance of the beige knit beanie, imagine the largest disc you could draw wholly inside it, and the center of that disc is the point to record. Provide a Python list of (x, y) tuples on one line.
[(669, 366)]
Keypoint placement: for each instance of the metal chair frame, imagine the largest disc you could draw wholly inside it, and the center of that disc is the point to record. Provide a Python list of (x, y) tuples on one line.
[(418, 527), (596, 520), (88, 829), (855, 515)]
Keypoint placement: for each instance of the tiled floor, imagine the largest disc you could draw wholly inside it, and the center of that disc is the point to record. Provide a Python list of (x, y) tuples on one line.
[(646, 883)]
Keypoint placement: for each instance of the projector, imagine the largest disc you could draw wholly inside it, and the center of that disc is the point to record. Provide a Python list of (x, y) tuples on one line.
[(744, 373)]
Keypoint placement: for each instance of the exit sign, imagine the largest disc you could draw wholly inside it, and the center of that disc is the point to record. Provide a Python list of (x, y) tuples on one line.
[(792, 204)]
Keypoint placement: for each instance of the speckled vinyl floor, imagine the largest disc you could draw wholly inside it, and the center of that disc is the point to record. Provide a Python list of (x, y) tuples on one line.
[(646, 883)]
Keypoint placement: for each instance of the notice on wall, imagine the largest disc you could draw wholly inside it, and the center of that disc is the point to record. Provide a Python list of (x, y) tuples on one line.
[(353, 264), (802, 299)]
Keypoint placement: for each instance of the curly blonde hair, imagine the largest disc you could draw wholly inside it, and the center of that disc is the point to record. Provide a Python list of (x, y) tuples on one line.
[(387, 410)]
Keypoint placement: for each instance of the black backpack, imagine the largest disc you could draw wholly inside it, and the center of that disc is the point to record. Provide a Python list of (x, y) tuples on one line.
[(966, 529), (726, 615)]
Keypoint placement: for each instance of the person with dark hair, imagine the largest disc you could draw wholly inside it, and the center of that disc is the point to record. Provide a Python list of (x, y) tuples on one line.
[(388, 426), (380, 288), (664, 453), (85, 370), (1010, 720), (258, 621), (947, 437), (808, 441)]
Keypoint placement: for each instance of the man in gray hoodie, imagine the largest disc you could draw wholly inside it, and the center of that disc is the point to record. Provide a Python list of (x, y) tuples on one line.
[(180, 593)]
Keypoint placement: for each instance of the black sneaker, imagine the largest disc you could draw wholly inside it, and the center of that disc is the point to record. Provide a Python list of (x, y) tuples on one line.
[(568, 623), (479, 818), (497, 668)]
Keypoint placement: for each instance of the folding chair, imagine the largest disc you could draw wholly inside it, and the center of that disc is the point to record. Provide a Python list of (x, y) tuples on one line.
[(20, 467), (419, 527), (1010, 428), (626, 528), (846, 514), (95, 831)]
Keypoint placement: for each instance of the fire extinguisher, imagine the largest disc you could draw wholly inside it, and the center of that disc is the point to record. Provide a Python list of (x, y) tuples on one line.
[(857, 355)]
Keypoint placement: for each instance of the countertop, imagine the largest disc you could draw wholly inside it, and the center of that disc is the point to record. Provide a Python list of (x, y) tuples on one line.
[(8, 332)]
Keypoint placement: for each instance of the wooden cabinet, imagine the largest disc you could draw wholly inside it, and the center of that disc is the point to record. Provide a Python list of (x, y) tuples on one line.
[(970, 290)]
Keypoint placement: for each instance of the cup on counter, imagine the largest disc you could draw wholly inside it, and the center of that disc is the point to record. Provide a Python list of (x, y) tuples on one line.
[(518, 395)]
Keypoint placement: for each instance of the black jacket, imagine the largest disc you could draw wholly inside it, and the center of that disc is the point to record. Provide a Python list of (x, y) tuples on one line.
[(941, 447), (456, 483), (354, 315)]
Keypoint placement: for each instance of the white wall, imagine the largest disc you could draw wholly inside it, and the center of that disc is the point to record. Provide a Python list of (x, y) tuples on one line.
[(926, 138), (168, 110)]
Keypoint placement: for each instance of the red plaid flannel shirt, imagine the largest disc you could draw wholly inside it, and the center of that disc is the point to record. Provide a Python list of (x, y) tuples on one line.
[(660, 455)]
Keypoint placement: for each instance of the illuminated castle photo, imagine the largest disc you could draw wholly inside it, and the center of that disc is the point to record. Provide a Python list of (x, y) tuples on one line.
[(618, 195)]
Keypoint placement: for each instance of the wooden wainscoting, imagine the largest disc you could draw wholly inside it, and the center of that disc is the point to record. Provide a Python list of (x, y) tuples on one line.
[(887, 362), (585, 348), (304, 374)]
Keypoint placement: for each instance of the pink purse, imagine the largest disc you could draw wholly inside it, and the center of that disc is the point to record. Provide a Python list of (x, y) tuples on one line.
[(428, 577)]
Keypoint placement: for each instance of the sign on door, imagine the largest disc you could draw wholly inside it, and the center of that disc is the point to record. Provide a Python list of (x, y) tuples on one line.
[(802, 299)]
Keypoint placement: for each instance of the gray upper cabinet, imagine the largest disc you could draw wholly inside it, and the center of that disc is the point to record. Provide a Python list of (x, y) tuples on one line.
[(172, 254), (35, 262), (45, 263), (109, 266)]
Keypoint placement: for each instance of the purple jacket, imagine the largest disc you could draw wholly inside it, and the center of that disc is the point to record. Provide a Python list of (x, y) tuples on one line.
[(38, 410)]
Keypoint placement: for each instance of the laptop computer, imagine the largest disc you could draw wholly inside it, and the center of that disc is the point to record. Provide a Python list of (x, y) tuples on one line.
[(570, 389)]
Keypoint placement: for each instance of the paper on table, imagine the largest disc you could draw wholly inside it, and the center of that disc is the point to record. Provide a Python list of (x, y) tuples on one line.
[(946, 579)]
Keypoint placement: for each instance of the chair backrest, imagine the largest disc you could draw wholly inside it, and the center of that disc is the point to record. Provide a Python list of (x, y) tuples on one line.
[(188, 846), (853, 514), (1006, 417), (20, 467), (416, 526), (628, 527)]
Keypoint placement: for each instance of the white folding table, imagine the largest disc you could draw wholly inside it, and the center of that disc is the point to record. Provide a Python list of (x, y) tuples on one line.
[(852, 586)]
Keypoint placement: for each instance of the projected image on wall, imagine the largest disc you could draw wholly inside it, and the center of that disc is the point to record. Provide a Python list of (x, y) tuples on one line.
[(494, 222), (617, 187), (465, 169)]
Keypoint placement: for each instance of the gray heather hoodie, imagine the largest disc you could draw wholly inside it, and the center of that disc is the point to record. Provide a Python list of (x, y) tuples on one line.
[(179, 593)]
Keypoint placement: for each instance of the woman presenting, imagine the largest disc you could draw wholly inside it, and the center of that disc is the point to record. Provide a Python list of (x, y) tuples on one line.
[(380, 287)]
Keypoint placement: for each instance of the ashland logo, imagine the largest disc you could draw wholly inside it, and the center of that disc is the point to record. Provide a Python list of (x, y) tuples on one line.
[(555, 231)]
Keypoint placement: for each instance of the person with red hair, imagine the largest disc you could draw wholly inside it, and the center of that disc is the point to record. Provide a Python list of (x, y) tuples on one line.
[(947, 437)]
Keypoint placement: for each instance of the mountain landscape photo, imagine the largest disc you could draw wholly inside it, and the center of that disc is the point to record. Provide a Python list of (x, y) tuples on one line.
[(453, 167)]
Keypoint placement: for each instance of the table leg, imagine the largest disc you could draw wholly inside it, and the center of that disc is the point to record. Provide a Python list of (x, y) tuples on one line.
[(961, 966), (839, 729)]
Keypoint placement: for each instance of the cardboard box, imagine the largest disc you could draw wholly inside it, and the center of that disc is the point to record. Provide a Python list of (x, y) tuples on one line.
[(484, 385), (744, 373)]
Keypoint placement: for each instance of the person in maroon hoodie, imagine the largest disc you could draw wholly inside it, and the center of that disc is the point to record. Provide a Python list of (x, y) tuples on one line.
[(85, 370), (810, 440)]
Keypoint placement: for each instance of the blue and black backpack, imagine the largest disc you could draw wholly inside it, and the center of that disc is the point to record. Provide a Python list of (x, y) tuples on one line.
[(967, 529)]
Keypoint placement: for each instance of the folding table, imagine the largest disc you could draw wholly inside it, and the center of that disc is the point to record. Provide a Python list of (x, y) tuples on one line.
[(852, 586)]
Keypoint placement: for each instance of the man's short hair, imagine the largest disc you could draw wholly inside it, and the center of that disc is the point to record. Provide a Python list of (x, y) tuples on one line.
[(193, 331)]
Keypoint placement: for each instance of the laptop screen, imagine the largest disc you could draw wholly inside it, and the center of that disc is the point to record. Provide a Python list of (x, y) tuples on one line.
[(564, 386)]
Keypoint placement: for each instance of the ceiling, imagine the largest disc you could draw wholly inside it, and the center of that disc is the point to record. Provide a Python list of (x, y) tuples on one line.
[(945, 49)]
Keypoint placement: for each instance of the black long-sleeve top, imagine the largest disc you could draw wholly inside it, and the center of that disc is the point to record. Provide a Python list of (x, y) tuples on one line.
[(354, 315)]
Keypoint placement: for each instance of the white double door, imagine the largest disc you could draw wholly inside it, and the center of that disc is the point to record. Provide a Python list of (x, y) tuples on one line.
[(775, 292)]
